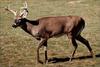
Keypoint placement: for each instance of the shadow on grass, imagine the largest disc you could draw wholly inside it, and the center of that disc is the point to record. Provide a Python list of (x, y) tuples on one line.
[(56, 60)]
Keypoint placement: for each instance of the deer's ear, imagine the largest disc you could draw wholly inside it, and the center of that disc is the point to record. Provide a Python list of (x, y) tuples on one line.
[(21, 15), (24, 14)]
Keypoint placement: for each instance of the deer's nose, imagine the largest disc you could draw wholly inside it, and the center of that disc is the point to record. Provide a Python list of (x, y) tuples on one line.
[(14, 25)]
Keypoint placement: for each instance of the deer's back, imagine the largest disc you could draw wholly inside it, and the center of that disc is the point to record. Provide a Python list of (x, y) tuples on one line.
[(58, 25)]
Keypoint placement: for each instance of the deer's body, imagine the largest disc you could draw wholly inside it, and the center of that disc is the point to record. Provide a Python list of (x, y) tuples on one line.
[(54, 26), (44, 28)]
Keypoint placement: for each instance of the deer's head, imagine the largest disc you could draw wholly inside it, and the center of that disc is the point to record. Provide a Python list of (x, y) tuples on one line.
[(19, 19)]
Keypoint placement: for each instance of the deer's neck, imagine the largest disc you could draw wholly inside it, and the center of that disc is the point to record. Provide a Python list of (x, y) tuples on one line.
[(33, 22), (28, 25)]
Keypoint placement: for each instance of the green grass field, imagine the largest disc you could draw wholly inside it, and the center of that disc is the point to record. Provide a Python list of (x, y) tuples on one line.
[(18, 49)]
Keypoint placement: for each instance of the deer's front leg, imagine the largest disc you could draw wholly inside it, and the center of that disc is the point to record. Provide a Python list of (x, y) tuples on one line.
[(45, 49), (42, 43)]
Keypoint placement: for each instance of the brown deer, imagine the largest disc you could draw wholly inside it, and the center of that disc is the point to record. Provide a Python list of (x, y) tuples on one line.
[(47, 27)]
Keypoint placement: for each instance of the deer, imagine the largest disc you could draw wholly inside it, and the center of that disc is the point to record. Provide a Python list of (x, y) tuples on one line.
[(45, 28)]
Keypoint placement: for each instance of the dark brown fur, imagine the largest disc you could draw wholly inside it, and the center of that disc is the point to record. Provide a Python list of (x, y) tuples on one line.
[(48, 27)]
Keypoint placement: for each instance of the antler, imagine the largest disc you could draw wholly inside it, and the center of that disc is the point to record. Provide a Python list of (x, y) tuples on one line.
[(25, 5), (12, 11), (24, 13)]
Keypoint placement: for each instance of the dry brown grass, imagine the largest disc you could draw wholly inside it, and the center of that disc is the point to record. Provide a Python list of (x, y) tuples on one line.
[(18, 49)]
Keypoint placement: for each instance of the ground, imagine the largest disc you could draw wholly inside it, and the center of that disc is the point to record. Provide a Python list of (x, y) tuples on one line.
[(18, 49)]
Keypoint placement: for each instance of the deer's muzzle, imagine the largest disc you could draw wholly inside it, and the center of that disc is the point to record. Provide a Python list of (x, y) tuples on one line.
[(14, 25)]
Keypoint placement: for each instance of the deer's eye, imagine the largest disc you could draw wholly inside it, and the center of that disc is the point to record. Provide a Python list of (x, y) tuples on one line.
[(19, 20)]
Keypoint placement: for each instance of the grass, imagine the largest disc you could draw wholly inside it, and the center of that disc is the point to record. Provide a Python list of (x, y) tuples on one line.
[(18, 49)]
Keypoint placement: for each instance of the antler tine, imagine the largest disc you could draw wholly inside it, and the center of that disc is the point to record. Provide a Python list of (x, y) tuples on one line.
[(25, 5), (12, 11), (24, 9)]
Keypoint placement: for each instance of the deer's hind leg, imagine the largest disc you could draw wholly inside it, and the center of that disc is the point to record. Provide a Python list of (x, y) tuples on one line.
[(75, 48), (74, 43), (85, 42)]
